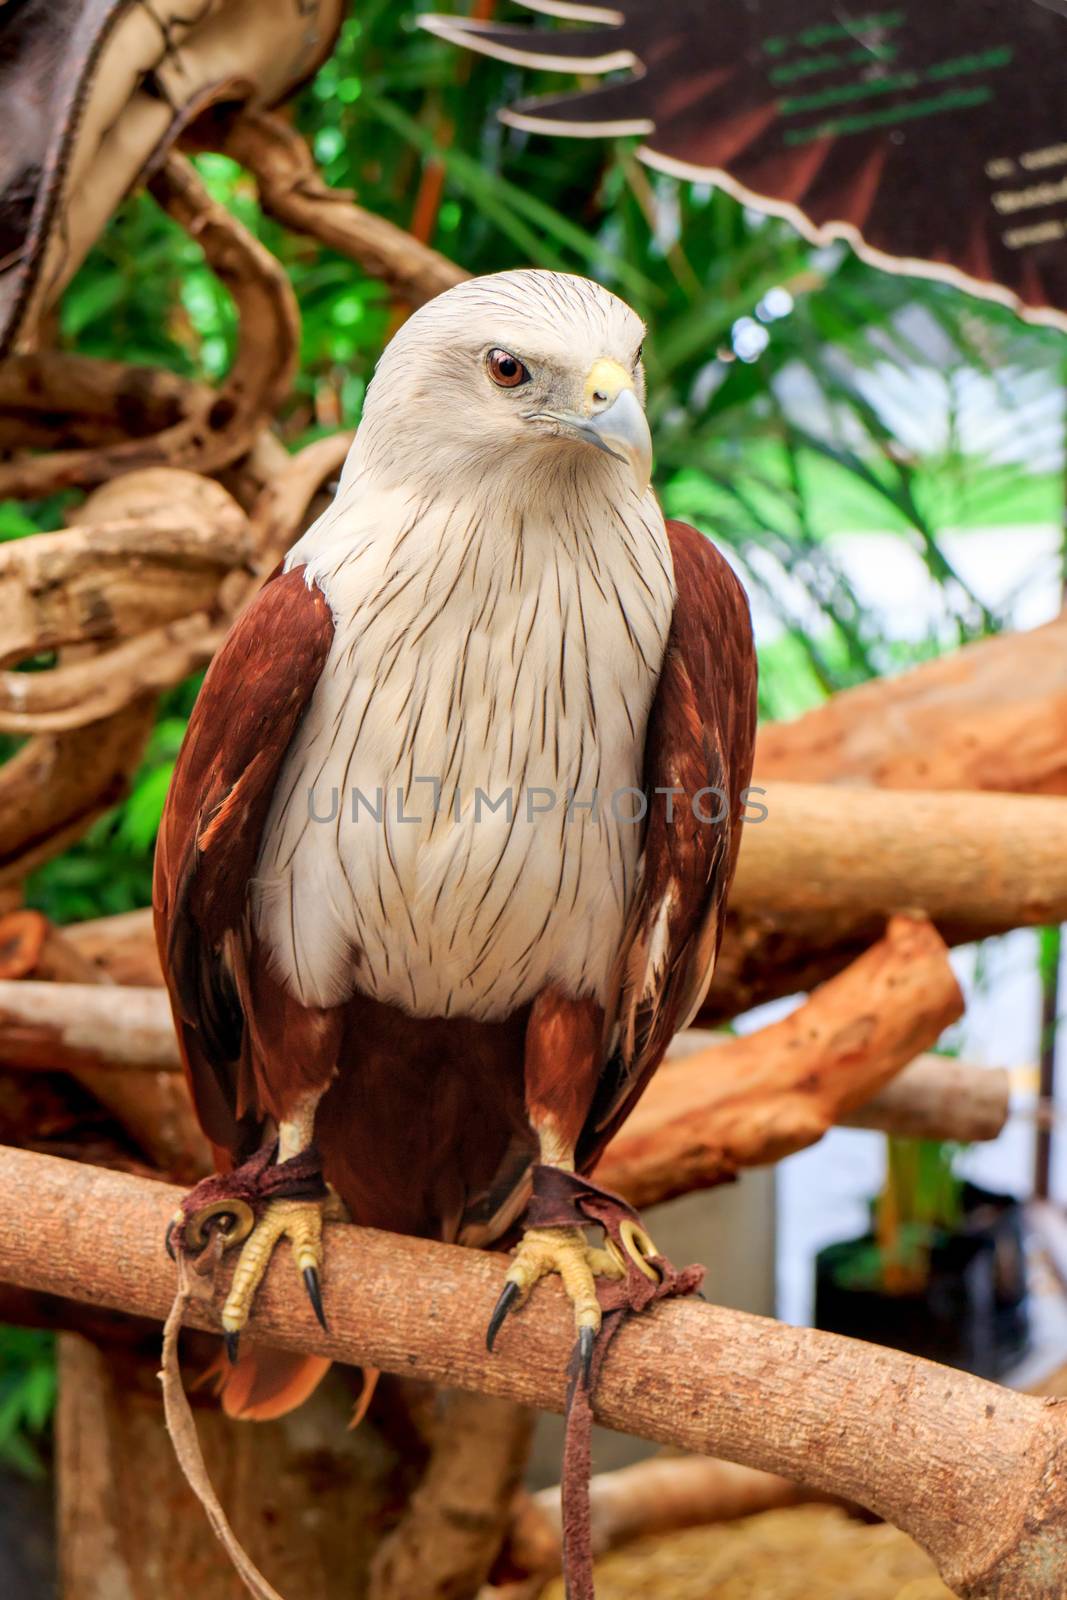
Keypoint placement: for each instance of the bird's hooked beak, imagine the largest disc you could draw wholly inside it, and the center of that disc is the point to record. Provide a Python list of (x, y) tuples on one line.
[(612, 419)]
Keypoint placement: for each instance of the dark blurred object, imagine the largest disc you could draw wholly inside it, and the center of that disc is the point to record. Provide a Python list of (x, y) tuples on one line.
[(932, 137), (27, 1537), (95, 92), (972, 1311)]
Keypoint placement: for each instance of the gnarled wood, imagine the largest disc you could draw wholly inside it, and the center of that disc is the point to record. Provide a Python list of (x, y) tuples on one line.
[(252, 391), (975, 1473), (60, 393), (111, 579), (58, 784), (292, 190), (762, 1095)]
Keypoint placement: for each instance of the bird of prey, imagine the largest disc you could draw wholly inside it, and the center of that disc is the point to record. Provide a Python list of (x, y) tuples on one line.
[(444, 860)]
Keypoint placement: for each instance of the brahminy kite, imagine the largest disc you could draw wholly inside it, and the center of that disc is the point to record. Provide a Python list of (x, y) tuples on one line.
[(444, 862)]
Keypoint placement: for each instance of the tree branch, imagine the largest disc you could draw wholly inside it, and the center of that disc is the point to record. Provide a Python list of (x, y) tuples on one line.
[(161, 556), (816, 878), (225, 426), (976, 863), (990, 716), (975, 1473), (655, 1496), (292, 190), (760, 1096)]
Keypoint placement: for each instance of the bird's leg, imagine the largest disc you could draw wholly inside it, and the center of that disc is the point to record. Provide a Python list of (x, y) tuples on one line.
[(278, 1194), (561, 1249), (562, 1064)]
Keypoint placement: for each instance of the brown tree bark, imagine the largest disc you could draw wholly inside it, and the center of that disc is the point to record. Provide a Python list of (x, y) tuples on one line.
[(454, 1523), (974, 863), (990, 716), (251, 393), (310, 1499), (650, 1497), (975, 1473), (762, 1095)]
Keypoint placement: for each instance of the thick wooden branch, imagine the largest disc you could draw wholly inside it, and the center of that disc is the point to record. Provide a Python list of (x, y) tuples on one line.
[(762, 1095), (656, 1496), (990, 716), (59, 397), (818, 875), (975, 1473), (977, 863), (123, 946), (938, 1098), (58, 784), (292, 190), (175, 536)]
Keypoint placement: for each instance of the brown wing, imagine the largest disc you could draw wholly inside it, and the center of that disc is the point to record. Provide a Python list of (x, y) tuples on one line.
[(698, 762), (254, 695)]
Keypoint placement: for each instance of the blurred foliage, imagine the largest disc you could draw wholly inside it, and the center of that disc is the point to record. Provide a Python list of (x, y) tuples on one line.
[(27, 1395)]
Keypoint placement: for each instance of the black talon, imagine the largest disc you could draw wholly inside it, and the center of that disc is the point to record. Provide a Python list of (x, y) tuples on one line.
[(508, 1296), (168, 1241), (232, 1341), (586, 1346), (314, 1289)]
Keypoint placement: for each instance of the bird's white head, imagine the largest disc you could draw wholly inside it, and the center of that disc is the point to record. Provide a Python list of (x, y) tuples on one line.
[(528, 377)]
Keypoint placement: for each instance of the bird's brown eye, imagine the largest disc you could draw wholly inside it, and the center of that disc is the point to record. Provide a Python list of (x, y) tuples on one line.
[(507, 371)]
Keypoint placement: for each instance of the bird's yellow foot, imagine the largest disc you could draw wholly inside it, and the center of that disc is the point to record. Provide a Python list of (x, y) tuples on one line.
[(566, 1251), (299, 1221), (255, 1206)]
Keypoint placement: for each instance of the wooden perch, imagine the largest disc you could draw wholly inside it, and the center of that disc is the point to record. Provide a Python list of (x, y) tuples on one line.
[(977, 863), (975, 1473), (762, 1095), (817, 876), (292, 190), (990, 716)]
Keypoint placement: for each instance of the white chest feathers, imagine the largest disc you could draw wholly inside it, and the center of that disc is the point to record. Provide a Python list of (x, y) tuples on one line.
[(457, 821)]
